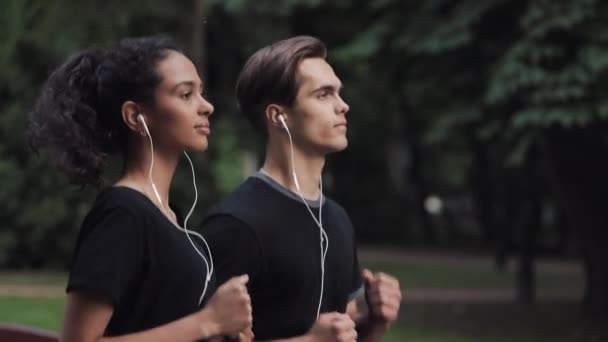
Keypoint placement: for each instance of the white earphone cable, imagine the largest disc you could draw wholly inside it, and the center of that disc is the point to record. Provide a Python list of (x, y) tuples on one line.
[(319, 221), (208, 264)]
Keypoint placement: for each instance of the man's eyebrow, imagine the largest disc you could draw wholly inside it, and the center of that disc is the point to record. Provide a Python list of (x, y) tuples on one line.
[(328, 87)]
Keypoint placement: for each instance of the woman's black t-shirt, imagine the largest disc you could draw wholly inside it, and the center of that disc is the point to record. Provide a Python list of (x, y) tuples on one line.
[(131, 254)]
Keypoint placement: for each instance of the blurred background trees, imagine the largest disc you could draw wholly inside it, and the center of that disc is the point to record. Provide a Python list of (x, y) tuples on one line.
[(474, 125)]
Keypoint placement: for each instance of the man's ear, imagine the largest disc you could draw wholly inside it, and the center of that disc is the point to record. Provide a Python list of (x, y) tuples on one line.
[(274, 113)]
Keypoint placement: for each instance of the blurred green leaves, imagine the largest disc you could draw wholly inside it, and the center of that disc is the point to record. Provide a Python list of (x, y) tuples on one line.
[(429, 78)]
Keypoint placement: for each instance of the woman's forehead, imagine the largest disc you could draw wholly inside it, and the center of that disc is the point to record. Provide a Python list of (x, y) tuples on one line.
[(177, 69)]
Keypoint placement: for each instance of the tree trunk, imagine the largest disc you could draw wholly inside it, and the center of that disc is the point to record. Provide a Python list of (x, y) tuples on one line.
[(530, 223), (481, 184), (198, 36), (418, 188), (506, 213), (580, 168)]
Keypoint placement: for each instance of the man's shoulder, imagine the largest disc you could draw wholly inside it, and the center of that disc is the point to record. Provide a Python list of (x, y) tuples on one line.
[(251, 190), (246, 201), (336, 208)]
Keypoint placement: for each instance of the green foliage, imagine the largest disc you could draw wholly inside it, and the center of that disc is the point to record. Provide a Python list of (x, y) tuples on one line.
[(556, 70), (227, 166), (41, 212), (434, 77)]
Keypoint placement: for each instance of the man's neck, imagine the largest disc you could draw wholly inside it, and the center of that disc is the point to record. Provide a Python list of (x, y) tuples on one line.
[(278, 166)]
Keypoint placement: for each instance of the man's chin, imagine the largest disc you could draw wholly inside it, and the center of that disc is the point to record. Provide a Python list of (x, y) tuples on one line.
[(338, 147)]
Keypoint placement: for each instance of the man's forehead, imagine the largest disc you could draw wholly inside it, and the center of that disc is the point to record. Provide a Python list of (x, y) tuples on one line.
[(316, 72)]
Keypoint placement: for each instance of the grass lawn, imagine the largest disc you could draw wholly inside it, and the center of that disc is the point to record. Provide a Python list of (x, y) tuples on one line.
[(44, 313), (402, 334), (442, 277), (419, 322), (47, 313)]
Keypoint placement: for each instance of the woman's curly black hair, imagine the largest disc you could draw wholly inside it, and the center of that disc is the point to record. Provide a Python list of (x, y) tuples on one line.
[(77, 117)]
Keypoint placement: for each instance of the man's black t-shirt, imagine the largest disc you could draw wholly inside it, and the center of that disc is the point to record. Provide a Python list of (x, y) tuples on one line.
[(265, 231), (131, 254)]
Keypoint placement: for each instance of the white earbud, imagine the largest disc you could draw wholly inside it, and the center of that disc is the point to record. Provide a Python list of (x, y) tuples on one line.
[(282, 119), (142, 120)]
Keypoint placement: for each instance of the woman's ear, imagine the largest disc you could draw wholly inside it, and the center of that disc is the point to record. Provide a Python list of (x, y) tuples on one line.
[(130, 111)]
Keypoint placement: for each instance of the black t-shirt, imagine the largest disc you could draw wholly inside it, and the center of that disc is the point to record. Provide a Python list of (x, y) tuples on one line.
[(266, 232), (131, 254)]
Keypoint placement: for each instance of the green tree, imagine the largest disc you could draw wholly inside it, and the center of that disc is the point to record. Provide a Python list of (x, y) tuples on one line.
[(40, 212), (552, 79)]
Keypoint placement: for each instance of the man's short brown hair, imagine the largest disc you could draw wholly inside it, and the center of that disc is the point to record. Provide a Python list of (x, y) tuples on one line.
[(270, 76)]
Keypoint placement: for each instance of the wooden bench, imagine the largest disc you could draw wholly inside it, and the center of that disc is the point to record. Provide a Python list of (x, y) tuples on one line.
[(19, 333)]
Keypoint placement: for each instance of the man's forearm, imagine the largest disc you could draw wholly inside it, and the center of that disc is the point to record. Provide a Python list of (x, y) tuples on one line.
[(358, 310), (302, 338), (371, 331)]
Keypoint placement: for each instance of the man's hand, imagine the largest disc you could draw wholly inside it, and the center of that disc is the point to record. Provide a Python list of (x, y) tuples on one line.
[(333, 327), (246, 336), (383, 296)]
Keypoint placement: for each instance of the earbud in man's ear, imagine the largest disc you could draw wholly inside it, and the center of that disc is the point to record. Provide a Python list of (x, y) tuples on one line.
[(141, 120), (282, 119)]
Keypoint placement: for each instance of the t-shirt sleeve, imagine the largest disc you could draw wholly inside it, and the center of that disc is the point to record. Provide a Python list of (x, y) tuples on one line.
[(234, 246), (356, 286), (108, 254)]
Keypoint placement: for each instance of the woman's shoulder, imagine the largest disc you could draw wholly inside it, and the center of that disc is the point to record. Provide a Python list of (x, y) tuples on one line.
[(128, 203), (118, 194), (114, 210), (121, 199)]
